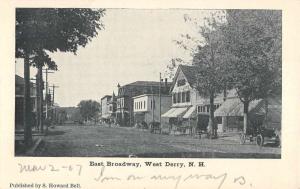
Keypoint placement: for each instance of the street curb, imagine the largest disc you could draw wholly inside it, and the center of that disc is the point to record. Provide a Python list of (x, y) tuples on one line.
[(31, 151)]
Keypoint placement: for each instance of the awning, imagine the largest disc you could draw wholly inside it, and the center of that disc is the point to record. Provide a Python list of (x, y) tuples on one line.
[(175, 112), (234, 107), (190, 113)]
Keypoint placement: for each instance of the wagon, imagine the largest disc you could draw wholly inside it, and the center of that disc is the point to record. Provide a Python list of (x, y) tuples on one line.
[(154, 127)]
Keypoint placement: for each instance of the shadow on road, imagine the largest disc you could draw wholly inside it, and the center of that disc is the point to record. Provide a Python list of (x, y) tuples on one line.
[(52, 133)]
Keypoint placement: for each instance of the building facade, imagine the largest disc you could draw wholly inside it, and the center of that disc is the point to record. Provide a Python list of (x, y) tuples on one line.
[(148, 107), (189, 111), (125, 101), (108, 108), (19, 102)]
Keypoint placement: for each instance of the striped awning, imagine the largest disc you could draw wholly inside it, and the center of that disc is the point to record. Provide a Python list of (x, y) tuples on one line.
[(234, 107), (175, 112), (190, 113)]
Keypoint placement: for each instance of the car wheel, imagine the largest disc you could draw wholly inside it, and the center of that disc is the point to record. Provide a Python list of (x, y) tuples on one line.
[(260, 140)]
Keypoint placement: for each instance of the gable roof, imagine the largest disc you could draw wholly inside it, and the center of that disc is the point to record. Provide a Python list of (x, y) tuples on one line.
[(190, 72)]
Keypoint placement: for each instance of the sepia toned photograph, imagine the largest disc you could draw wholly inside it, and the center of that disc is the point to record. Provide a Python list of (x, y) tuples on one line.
[(148, 83)]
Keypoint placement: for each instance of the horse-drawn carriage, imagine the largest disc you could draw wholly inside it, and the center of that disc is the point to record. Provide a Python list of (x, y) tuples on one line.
[(155, 127)]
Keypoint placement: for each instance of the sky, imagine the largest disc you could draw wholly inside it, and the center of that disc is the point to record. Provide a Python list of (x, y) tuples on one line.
[(136, 45)]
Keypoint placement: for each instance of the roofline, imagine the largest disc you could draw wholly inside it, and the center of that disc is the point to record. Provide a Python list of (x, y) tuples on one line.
[(134, 83), (164, 95), (106, 96)]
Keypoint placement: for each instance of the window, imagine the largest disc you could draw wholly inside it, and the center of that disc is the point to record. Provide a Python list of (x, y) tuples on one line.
[(183, 97), (144, 104), (188, 96), (151, 104), (178, 97), (181, 82), (174, 99)]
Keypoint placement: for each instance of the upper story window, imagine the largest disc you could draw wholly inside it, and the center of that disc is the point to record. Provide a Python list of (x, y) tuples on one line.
[(188, 98), (178, 97), (180, 82), (183, 96)]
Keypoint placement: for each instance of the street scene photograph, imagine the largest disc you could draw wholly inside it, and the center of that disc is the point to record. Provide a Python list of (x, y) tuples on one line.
[(148, 83)]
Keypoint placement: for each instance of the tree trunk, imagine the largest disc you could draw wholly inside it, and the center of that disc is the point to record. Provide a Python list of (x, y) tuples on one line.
[(267, 111), (40, 98), (37, 102), (246, 105), (27, 103), (211, 123)]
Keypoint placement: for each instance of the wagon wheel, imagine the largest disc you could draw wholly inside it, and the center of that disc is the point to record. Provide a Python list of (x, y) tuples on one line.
[(259, 140), (242, 138)]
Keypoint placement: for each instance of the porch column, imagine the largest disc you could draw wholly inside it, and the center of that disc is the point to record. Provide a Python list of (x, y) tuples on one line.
[(224, 123)]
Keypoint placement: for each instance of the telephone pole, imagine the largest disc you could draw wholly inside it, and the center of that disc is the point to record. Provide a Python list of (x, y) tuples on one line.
[(159, 92), (53, 110), (47, 71)]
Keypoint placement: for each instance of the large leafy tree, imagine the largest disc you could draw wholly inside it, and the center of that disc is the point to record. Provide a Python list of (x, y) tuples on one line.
[(253, 39), (89, 109), (208, 58), (51, 29)]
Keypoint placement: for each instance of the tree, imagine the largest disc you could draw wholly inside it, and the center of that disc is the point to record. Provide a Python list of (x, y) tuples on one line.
[(89, 109), (51, 29), (208, 58), (253, 39), (211, 61)]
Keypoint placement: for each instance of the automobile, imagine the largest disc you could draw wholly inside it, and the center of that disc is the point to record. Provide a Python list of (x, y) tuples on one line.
[(262, 134)]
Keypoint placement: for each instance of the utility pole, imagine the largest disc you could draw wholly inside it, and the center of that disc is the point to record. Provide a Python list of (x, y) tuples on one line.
[(153, 103), (46, 71), (159, 92), (53, 88), (54, 110)]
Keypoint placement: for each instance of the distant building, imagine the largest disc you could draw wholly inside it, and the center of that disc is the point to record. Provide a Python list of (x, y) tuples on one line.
[(108, 107), (105, 114), (19, 103), (146, 107), (125, 108)]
